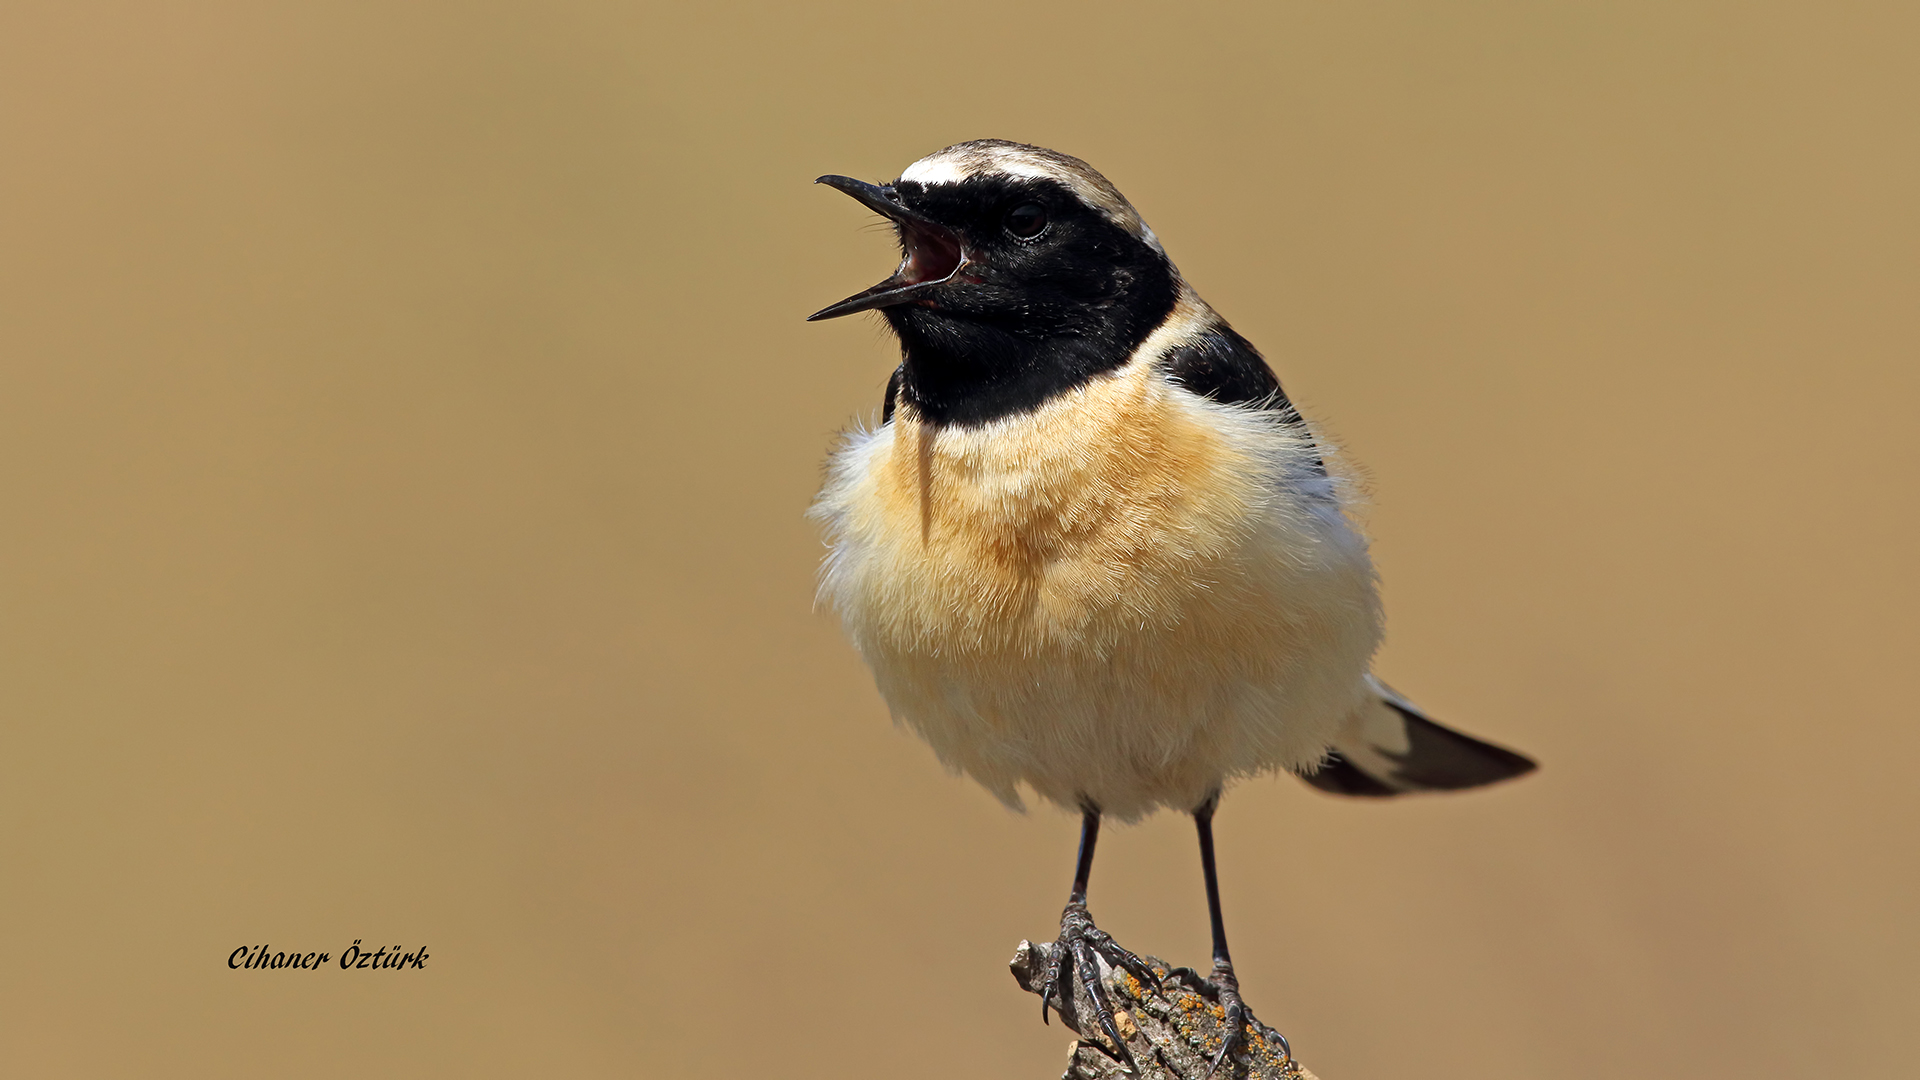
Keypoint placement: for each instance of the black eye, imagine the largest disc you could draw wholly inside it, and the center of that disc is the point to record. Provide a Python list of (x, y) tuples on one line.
[(1026, 221)]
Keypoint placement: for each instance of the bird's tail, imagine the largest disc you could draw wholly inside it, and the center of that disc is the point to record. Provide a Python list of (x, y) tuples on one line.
[(1390, 747)]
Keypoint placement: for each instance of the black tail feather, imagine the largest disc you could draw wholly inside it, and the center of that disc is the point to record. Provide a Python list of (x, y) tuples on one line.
[(1343, 777), (1442, 759), (1391, 749)]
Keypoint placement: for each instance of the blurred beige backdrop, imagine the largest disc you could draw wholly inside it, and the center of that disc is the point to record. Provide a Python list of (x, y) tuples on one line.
[(408, 420)]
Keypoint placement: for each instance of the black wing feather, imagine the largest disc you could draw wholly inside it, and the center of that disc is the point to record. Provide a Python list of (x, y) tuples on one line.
[(1222, 366)]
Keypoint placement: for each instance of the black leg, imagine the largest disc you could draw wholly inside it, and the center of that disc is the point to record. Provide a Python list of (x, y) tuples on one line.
[(1203, 820), (1076, 953), (1224, 983), (1089, 836)]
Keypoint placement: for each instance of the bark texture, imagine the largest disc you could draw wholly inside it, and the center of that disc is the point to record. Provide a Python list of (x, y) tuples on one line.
[(1172, 1030)]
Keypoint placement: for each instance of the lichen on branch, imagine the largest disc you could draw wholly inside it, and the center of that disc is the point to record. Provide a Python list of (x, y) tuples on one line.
[(1173, 1030)]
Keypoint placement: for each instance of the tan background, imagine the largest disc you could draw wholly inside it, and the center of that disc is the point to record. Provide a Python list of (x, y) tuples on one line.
[(408, 418)]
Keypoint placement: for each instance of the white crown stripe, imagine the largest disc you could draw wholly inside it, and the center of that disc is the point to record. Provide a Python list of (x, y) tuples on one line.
[(958, 163)]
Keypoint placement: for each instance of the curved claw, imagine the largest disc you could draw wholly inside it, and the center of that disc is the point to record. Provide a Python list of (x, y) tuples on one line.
[(1075, 957), (1049, 981), (1236, 1025), (1286, 1048), (1088, 968), (1136, 967), (1238, 1021), (1059, 968)]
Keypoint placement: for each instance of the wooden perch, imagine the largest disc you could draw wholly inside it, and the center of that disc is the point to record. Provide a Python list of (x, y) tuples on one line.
[(1172, 1030)]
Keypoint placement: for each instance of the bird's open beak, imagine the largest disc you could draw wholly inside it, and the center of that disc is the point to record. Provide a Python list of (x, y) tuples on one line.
[(933, 253)]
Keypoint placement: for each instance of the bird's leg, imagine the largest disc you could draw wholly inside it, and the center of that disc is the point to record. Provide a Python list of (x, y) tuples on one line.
[(1227, 988), (1081, 946)]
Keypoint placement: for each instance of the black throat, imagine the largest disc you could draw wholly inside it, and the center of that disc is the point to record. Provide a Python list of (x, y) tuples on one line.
[(966, 369)]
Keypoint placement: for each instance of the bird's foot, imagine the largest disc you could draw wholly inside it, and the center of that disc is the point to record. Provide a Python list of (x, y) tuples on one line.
[(1237, 1025), (1077, 956)]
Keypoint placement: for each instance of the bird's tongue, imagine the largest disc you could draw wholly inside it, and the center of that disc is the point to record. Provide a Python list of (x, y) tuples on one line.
[(933, 253)]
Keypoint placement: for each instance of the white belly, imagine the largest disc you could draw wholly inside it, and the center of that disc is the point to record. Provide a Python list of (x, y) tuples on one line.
[(1127, 597)]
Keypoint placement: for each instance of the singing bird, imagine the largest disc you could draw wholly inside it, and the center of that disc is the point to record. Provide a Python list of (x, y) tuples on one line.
[(1091, 548)]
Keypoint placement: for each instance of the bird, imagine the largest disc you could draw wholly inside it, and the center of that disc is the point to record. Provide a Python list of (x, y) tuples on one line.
[(1092, 550)]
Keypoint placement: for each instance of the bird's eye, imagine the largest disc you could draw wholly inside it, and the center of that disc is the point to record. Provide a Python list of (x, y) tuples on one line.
[(1026, 221)]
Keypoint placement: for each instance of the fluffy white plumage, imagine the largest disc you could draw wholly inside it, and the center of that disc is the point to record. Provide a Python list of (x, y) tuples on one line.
[(1126, 597)]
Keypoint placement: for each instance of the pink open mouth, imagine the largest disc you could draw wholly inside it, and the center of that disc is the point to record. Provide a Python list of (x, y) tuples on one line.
[(932, 253)]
